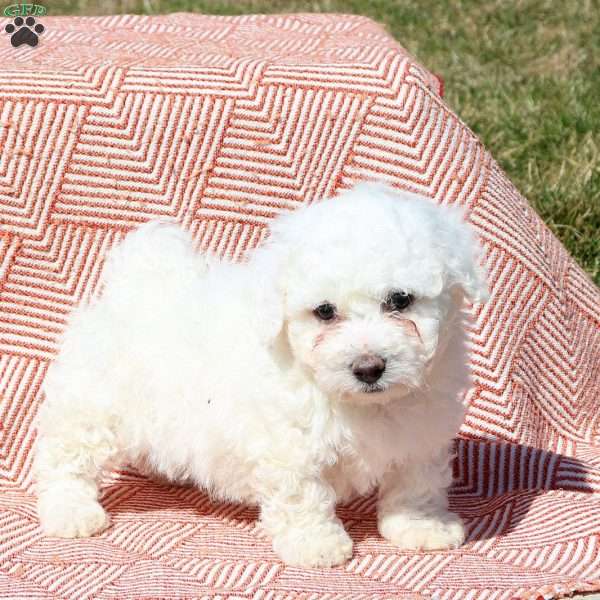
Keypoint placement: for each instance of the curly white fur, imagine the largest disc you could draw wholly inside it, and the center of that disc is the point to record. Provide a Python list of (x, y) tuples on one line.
[(222, 374)]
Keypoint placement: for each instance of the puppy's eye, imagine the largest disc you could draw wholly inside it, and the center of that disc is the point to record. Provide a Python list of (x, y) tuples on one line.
[(397, 301), (325, 311)]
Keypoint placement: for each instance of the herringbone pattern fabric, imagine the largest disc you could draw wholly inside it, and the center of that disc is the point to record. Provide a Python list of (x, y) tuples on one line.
[(223, 123)]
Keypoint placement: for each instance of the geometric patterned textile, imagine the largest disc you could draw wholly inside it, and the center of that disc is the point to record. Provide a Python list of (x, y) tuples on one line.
[(223, 123)]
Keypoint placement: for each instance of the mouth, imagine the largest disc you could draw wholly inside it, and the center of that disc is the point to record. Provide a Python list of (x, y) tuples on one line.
[(372, 388)]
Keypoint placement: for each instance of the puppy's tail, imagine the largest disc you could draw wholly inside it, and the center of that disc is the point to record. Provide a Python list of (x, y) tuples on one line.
[(157, 256)]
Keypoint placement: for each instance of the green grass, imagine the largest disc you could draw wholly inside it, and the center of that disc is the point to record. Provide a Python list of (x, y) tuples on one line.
[(523, 74)]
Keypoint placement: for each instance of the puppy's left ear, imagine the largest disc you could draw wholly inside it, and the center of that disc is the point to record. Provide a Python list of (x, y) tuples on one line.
[(462, 255)]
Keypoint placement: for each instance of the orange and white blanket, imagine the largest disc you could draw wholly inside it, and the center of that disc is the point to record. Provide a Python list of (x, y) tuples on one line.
[(222, 123)]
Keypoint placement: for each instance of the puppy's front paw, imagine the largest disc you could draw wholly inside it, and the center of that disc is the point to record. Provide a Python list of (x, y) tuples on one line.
[(423, 532), (71, 518), (327, 545)]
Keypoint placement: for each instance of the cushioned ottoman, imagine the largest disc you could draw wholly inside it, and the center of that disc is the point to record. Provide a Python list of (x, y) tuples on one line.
[(223, 123)]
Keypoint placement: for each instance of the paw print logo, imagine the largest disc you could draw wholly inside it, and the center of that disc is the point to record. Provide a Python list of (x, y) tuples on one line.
[(24, 31)]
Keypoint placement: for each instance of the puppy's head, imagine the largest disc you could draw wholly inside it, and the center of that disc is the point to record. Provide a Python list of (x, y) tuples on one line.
[(367, 286)]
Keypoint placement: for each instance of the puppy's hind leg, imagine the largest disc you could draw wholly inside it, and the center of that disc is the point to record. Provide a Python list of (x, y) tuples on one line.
[(72, 448)]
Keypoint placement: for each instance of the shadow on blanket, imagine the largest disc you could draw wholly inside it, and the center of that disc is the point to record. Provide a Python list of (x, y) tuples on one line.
[(495, 485)]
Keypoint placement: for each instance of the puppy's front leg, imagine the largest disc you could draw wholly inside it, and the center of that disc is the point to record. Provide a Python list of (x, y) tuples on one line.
[(413, 507), (299, 514)]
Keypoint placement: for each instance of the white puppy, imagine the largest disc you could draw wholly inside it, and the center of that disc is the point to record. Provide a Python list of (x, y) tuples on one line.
[(332, 361)]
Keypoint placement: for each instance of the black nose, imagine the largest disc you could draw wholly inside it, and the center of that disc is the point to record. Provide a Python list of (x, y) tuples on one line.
[(368, 368)]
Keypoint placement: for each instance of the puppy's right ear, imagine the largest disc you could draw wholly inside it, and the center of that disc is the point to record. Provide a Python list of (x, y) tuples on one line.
[(267, 272)]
